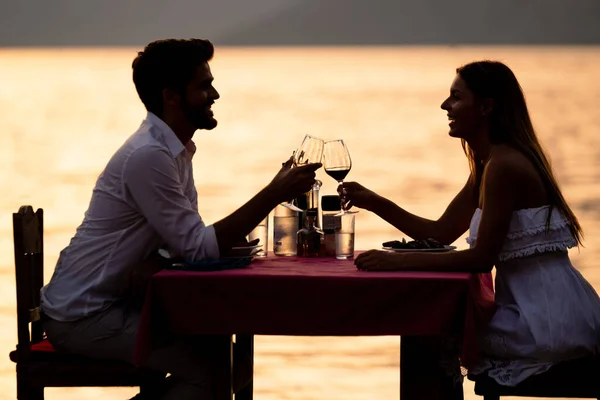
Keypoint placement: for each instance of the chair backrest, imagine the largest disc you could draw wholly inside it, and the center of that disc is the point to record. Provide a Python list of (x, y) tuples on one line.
[(28, 228)]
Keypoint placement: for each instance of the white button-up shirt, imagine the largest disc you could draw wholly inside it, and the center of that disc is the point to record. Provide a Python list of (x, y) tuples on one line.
[(145, 198)]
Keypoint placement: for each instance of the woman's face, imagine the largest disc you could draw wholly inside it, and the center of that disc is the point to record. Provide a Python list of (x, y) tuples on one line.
[(463, 110)]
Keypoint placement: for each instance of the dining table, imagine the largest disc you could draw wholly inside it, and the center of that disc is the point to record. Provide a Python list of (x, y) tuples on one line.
[(437, 315)]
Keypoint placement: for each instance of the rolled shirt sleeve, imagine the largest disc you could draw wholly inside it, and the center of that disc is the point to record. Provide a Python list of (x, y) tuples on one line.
[(151, 179)]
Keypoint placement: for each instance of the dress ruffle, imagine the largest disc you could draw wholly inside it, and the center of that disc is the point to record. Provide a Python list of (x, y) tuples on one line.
[(529, 233)]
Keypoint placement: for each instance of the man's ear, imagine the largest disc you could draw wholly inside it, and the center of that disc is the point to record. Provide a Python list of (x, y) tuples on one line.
[(171, 97), (487, 105)]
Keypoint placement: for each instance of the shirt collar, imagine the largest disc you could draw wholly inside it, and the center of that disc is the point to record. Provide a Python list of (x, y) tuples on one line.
[(172, 141), (190, 147)]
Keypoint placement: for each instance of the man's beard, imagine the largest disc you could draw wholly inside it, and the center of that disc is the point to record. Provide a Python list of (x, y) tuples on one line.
[(198, 118)]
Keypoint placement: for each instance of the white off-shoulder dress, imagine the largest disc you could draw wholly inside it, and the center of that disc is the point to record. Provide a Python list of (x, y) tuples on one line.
[(546, 311)]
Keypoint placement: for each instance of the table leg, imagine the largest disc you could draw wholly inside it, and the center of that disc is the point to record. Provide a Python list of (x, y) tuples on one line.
[(421, 375), (245, 344), (223, 371)]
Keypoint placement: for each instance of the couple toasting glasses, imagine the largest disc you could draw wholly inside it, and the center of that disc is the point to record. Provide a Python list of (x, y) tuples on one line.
[(333, 155), (145, 199)]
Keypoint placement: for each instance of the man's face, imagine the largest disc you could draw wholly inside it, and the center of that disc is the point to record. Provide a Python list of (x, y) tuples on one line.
[(198, 98)]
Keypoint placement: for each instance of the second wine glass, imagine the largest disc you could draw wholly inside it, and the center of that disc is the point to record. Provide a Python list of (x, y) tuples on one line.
[(337, 164)]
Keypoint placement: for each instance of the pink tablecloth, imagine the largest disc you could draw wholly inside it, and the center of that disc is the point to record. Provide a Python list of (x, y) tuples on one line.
[(321, 296)]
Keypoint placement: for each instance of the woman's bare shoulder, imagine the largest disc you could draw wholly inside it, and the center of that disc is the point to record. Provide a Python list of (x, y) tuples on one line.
[(510, 160), (517, 171)]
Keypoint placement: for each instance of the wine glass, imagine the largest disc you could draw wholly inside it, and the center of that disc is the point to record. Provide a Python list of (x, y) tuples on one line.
[(337, 164), (310, 151)]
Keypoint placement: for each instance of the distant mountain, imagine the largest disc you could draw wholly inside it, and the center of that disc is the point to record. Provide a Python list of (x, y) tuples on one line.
[(124, 22), (299, 22), (343, 22)]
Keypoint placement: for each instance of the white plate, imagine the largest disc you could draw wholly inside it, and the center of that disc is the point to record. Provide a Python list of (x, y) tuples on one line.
[(246, 247), (249, 251), (439, 250), (255, 252)]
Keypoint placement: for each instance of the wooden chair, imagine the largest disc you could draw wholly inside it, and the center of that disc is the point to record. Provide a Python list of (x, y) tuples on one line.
[(38, 364), (571, 379)]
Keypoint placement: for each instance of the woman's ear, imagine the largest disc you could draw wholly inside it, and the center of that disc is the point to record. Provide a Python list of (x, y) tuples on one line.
[(487, 105)]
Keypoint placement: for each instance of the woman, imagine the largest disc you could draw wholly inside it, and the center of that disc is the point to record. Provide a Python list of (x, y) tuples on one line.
[(518, 221)]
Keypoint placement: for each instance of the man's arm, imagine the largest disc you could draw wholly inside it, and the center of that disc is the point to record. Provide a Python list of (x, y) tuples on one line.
[(287, 184), (151, 179)]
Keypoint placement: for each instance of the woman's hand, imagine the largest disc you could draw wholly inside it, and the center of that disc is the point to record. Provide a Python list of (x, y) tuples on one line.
[(357, 195), (381, 260)]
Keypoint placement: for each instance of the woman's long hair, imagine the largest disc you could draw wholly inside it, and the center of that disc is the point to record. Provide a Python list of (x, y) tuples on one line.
[(511, 125)]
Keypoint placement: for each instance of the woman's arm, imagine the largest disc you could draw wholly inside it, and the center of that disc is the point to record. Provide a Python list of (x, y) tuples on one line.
[(449, 227), (499, 194)]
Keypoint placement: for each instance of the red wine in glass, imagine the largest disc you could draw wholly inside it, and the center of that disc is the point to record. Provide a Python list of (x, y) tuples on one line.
[(338, 173), (337, 164)]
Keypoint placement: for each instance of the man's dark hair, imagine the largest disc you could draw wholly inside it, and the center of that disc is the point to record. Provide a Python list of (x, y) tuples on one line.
[(168, 63)]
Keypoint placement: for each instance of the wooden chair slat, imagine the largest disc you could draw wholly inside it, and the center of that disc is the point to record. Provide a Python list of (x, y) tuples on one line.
[(31, 230), (35, 314)]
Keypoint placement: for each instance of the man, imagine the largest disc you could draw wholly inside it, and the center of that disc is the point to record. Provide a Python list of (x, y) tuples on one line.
[(145, 199)]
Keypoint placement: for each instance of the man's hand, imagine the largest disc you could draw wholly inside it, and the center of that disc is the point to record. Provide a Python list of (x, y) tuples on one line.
[(245, 243), (291, 182), (357, 195), (287, 184)]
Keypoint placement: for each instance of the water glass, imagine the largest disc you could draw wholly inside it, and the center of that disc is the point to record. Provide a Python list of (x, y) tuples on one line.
[(344, 236), (262, 233), (285, 227)]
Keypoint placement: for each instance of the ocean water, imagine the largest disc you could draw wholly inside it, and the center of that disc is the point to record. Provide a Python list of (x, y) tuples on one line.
[(63, 112)]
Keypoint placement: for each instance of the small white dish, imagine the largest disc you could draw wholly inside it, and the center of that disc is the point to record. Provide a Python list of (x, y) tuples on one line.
[(438, 250)]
